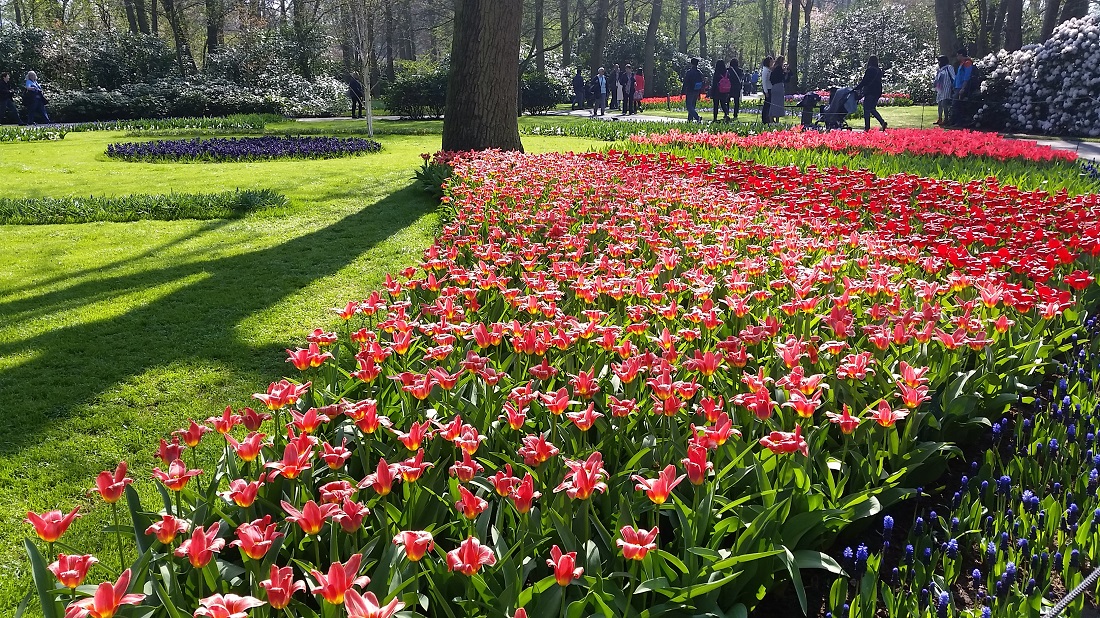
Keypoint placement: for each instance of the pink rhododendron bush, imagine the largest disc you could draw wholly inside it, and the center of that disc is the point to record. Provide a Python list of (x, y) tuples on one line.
[(627, 385)]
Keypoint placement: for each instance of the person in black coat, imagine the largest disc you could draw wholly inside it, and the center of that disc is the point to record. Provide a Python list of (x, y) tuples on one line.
[(579, 87), (721, 89), (626, 80), (871, 87), (693, 87), (737, 76), (7, 99), (355, 93)]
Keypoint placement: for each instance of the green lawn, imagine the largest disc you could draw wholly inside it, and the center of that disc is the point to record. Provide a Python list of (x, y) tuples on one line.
[(111, 335)]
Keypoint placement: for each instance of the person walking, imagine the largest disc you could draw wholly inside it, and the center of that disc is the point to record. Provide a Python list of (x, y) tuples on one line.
[(616, 87), (737, 79), (778, 78), (599, 89), (637, 92), (871, 88), (964, 80), (766, 88), (7, 99), (355, 93), (578, 91), (626, 82), (721, 89), (945, 87), (34, 99), (693, 86)]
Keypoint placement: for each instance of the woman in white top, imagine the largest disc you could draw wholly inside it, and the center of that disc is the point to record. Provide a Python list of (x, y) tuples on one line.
[(945, 88), (766, 86)]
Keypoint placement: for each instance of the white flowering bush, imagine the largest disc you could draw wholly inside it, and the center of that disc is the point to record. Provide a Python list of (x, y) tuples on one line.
[(1051, 88)]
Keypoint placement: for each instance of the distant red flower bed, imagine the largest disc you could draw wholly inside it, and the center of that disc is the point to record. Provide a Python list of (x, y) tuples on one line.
[(895, 141)]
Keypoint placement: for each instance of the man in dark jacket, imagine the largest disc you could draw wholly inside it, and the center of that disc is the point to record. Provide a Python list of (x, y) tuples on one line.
[(626, 80), (693, 86), (355, 93), (578, 90), (871, 87), (7, 99), (737, 75)]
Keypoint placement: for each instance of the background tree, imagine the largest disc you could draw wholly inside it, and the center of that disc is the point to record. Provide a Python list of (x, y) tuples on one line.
[(482, 90)]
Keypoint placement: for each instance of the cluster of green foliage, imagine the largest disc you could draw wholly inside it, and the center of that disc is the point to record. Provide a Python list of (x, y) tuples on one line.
[(31, 134), (235, 122), (170, 207)]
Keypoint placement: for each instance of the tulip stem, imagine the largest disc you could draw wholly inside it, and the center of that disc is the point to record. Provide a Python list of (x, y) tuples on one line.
[(118, 538)]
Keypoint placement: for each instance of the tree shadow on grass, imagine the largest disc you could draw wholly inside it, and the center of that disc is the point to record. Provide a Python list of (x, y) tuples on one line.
[(195, 322)]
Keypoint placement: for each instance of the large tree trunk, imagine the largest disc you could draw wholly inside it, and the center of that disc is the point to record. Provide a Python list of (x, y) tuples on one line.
[(620, 14), (702, 28), (213, 25), (1074, 8), (184, 58), (999, 25), (792, 44), (599, 35), (1014, 25), (566, 44), (388, 16), (649, 56), (539, 42), (142, 20), (131, 17), (154, 26), (408, 38), (483, 87), (767, 26), (1050, 18), (947, 27), (302, 35), (683, 42)]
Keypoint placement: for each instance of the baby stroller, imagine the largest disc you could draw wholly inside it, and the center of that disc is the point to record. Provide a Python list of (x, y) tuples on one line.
[(841, 103)]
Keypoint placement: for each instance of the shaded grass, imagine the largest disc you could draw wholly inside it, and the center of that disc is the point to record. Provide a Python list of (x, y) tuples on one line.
[(224, 205), (111, 335)]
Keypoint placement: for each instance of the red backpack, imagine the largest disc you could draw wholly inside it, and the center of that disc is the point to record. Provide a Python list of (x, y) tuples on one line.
[(724, 84)]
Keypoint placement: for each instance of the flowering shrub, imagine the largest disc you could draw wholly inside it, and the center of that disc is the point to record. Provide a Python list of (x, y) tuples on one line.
[(1049, 87), (242, 149), (31, 134), (912, 141), (614, 383)]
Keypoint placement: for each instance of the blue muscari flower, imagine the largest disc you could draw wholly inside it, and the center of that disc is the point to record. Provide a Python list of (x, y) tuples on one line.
[(861, 559), (922, 597), (1010, 573), (895, 577), (1021, 545), (1053, 447), (955, 525), (973, 467), (1056, 489), (1026, 500), (846, 608), (1042, 517), (1095, 518), (1033, 533), (909, 554), (976, 576), (927, 556), (1039, 448), (1094, 480), (1044, 560), (1027, 426), (1004, 541), (986, 612), (1071, 433), (918, 526), (1004, 484), (1030, 589), (1001, 588), (963, 483), (996, 431), (944, 605), (1057, 562), (985, 486), (932, 516), (887, 524), (989, 524), (1074, 558), (1062, 384), (952, 549), (991, 552)]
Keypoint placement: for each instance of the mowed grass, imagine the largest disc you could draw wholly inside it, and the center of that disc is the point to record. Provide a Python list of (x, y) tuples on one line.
[(114, 334)]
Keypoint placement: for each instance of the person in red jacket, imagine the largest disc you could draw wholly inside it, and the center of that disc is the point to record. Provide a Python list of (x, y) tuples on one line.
[(639, 92)]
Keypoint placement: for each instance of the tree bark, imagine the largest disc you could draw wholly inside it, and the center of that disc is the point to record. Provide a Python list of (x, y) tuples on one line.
[(792, 43), (539, 42), (767, 26), (947, 27), (388, 16), (301, 36), (702, 28), (483, 86), (599, 36), (566, 44), (649, 56), (620, 14), (1014, 25), (131, 17), (683, 42), (1074, 8), (408, 37), (184, 58), (999, 25), (142, 20), (213, 25), (154, 26)]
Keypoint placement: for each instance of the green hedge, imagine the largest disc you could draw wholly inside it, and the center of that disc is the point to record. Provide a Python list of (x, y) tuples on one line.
[(225, 205)]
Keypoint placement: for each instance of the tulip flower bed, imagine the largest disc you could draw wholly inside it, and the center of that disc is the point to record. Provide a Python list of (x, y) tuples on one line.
[(242, 149), (937, 142), (630, 385)]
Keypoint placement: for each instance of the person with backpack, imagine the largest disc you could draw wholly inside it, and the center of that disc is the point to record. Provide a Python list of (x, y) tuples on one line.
[(637, 92), (945, 88), (871, 87), (737, 81), (964, 85), (721, 88), (692, 88), (7, 99)]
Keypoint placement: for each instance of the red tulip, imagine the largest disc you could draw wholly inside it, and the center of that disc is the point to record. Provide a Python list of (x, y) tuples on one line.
[(253, 420), (340, 579), (524, 495), (70, 570), (514, 416), (660, 488), (469, 557), (111, 485), (784, 443), (169, 452), (417, 543), (469, 440), (417, 433), (564, 565), (334, 492), (367, 606), (584, 477), (536, 450), (585, 419), (50, 525), (294, 461), (248, 449), (167, 528), (413, 467), (309, 421), (468, 504), (382, 480), (281, 394), (227, 606), (466, 468), (193, 434), (201, 547), (312, 516), (350, 516), (256, 538), (280, 587), (844, 420), (886, 417), (107, 599), (241, 492), (636, 543), (226, 422), (177, 476), (503, 481), (336, 456), (696, 464)]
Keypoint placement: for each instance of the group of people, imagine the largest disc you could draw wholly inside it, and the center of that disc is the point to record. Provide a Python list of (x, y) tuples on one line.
[(955, 87), (32, 98), (727, 84), (624, 88)]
